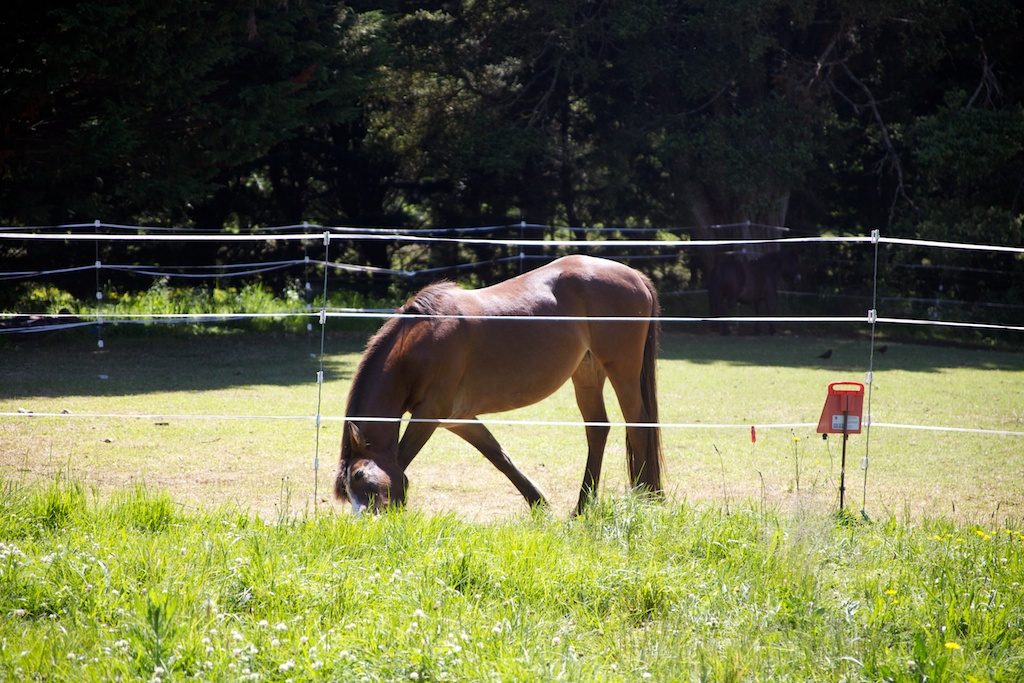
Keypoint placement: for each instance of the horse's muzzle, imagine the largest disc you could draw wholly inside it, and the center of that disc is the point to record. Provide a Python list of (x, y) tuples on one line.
[(361, 503)]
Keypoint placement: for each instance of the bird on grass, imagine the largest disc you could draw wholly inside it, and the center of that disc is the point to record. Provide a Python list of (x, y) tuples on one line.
[(826, 355)]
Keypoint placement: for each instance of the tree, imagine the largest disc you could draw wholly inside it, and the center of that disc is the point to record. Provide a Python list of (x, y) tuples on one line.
[(845, 115), (153, 110)]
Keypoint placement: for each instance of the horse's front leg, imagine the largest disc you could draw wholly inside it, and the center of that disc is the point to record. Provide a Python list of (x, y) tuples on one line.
[(414, 439), (478, 436)]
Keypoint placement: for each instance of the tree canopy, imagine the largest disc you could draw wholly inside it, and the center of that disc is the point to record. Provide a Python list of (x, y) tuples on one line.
[(844, 116)]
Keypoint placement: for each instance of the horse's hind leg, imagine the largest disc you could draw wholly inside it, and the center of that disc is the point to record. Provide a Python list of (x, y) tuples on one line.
[(627, 355), (642, 443), (478, 436), (588, 381)]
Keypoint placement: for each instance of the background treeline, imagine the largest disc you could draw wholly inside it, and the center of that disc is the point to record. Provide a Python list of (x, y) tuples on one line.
[(838, 116)]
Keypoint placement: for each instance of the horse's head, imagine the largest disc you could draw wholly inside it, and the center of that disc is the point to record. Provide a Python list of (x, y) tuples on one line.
[(368, 478)]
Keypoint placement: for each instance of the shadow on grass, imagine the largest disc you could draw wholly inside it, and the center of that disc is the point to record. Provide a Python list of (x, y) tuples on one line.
[(139, 362), (70, 364), (842, 354)]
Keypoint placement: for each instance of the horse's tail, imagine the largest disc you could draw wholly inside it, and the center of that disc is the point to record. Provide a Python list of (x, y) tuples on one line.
[(646, 459)]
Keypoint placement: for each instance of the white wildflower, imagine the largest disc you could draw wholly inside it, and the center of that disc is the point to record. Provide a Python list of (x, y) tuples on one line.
[(9, 551)]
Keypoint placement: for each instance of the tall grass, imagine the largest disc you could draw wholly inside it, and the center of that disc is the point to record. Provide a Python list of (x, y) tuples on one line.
[(136, 589), (161, 298)]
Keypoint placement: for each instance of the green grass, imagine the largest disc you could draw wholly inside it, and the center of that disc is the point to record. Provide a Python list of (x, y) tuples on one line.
[(162, 299), (266, 465), (172, 548), (132, 588)]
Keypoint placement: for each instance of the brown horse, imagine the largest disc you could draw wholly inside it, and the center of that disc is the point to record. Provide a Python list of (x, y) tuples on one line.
[(449, 359), (753, 280)]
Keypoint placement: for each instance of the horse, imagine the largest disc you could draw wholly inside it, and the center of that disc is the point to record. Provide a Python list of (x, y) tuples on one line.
[(456, 354), (736, 278)]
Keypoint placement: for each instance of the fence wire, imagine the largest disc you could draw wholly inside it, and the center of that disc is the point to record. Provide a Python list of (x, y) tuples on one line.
[(39, 322)]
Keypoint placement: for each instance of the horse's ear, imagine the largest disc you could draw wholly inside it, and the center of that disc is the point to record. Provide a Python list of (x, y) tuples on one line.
[(355, 438)]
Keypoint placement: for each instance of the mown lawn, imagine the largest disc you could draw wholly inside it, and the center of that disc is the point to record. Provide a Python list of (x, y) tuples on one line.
[(266, 465)]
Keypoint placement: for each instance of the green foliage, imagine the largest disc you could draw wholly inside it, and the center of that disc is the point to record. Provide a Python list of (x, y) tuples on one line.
[(138, 111), (849, 116), (630, 590), (968, 159), (163, 299)]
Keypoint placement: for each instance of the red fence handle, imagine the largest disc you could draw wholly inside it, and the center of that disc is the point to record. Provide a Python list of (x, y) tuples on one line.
[(858, 388)]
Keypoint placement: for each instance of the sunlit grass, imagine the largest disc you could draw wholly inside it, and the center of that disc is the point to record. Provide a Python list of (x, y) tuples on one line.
[(264, 464), (132, 588), (170, 548)]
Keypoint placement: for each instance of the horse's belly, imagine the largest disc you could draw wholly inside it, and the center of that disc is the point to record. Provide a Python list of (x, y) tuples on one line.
[(519, 369), (522, 391)]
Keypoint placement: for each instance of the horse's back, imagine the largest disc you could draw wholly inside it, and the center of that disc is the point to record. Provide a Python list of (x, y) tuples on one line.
[(505, 364), (575, 285)]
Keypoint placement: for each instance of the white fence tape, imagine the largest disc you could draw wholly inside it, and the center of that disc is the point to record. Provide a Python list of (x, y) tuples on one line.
[(425, 239), (79, 319), (490, 421), (522, 225), (950, 323), (436, 236), (230, 270)]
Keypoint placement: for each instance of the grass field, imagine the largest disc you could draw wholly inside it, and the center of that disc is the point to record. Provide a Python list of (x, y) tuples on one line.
[(131, 588), (129, 549), (267, 465)]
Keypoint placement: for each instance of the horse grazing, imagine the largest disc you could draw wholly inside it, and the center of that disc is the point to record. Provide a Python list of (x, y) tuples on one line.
[(737, 278), (450, 359)]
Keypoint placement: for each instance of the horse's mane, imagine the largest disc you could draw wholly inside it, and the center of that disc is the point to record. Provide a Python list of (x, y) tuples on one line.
[(431, 300)]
